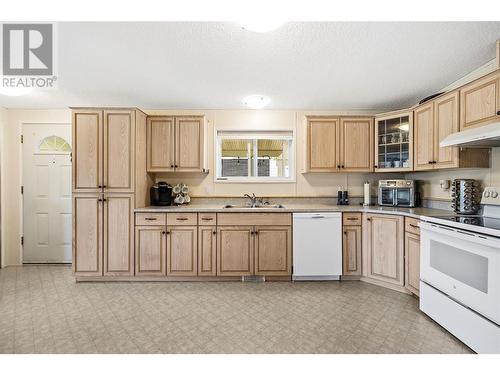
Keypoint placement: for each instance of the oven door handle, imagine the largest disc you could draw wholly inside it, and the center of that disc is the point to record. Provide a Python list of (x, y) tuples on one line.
[(394, 197), (481, 239)]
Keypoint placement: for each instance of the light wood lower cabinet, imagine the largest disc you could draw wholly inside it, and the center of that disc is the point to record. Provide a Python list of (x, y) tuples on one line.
[(150, 250), (351, 251), (383, 248), (182, 250), (87, 234), (412, 262), (273, 251), (207, 251), (118, 234), (235, 248)]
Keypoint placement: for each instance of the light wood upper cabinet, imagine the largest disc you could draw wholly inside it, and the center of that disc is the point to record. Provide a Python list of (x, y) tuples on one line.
[(87, 151), (445, 123), (480, 102), (175, 144), (351, 250), (273, 251), (118, 234), (87, 235), (160, 144), (356, 144), (150, 250), (383, 248), (412, 262), (207, 251), (322, 144), (182, 250), (424, 136), (235, 251), (188, 144), (119, 153)]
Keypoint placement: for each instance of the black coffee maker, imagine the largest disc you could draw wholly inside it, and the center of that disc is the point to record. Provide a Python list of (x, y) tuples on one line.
[(161, 194)]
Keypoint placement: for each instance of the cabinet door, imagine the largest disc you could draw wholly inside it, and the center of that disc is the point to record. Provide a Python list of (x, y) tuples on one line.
[(273, 251), (480, 102), (160, 144), (87, 235), (235, 254), (445, 123), (351, 245), (182, 246), (322, 144), (189, 144), (356, 144), (207, 251), (118, 234), (412, 262), (424, 136), (150, 250), (384, 239), (87, 151), (119, 151)]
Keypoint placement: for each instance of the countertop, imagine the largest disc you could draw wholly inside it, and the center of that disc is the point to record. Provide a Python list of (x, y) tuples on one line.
[(416, 212)]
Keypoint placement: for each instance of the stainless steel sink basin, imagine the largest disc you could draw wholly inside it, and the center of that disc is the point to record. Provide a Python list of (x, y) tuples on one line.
[(267, 206)]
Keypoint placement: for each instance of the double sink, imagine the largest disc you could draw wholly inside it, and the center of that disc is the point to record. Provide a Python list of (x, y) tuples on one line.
[(255, 203)]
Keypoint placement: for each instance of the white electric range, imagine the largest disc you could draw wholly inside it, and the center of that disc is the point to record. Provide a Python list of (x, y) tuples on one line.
[(460, 274)]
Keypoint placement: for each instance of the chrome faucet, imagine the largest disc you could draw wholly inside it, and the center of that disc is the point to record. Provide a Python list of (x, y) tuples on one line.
[(253, 199)]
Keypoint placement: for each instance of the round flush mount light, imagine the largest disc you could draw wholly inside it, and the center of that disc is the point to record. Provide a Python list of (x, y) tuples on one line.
[(256, 101), (261, 26), (15, 91)]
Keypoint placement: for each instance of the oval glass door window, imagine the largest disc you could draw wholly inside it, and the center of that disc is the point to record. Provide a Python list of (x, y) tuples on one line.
[(53, 144)]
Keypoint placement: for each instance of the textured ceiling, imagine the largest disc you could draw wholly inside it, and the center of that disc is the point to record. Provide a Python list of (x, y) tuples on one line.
[(300, 65)]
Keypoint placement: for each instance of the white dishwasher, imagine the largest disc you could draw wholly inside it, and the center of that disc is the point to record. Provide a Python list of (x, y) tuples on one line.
[(317, 246)]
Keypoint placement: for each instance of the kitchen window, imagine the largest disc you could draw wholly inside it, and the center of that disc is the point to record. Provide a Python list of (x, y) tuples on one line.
[(246, 156)]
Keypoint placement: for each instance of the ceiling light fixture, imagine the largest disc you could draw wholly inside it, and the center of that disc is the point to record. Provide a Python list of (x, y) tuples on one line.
[(261, 25), (15, 91), (256, 101)]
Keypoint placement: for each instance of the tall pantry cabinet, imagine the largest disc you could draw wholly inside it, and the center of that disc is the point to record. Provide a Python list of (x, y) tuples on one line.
[(109, 181)]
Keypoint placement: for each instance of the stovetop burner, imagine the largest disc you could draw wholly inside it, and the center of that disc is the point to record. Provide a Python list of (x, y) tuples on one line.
[(480, 221)]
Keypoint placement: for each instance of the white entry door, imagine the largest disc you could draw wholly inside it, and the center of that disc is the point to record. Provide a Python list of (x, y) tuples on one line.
[(47, 193)]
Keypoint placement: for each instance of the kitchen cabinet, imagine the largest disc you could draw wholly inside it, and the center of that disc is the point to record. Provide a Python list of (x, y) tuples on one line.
[(175, 144), (351, 244), (434, 121), (87, 234), (118, 211), (182, 250), (356, 144), (207, 251), (412, 262), (383, 248), (235, 250), (150, 250), (339, 144), (480, 102), (322, 144), (109, 180), (273, 250), (394, 141)]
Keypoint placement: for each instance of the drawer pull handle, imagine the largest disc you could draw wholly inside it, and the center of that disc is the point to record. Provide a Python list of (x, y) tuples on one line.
[(207, 218), (414, 226), (181, 219), (351, 218), (150, 218)]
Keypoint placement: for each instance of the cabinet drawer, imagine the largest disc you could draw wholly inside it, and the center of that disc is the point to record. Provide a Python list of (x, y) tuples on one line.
[(351, 218), (179, 218), (411, 225), (205, 218), (150, 219), (257, 218)]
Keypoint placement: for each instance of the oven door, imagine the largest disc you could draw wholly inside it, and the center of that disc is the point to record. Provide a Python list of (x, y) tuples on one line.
[(463, 265), (404, 197), (386, 196)]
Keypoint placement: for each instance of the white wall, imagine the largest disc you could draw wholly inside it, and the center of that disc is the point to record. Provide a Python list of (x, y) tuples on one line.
[(12, 173)]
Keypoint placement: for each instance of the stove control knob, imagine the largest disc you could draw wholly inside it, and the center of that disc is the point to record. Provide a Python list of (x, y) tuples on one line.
[(487, 194), (494, 194)]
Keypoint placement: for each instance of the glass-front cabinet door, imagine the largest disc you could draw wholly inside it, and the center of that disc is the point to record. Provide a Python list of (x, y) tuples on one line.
[(394, 142)]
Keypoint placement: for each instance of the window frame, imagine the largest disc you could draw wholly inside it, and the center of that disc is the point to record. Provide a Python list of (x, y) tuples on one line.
[(287, 134)]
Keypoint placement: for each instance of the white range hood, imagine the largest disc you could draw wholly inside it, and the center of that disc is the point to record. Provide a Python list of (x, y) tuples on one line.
[(484, 136)]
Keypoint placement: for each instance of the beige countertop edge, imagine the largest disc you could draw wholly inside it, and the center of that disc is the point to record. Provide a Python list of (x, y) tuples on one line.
[(416, 212)]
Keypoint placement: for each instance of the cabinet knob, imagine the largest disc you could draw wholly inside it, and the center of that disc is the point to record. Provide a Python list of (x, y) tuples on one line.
[(168, 232), (338, 166), (343, 167), (345, 232), (214, 232), (99, 186), (368, 219), (176, 166), (498, 113), (429, 162), (375, 166), (163, 232), (171, 165)]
